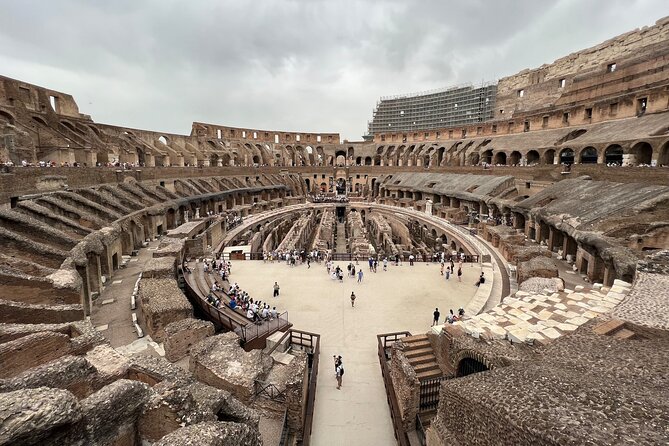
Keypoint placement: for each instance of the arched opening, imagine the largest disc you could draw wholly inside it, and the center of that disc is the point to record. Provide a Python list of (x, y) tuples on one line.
[(141, 159), (341, 186), (163, 140), (474, 159), (642, 152), (514, 158), (486, 157), (351, 152), (213, 159), (368, 161), (4, 116), (39, 120), (358, 161), (588, 156), (500, 158), (613, 155), (567, 156), (468, 366), (549, 156), (532, 157), (440, 155), (324, 187), (340, 158), (308, 182), (663, 157)]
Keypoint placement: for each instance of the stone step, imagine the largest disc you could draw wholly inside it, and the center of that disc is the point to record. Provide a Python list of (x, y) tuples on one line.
[(624, 334), (424, 359), (609, 327), (429, 374), (432, 365), (418, 345), (419, 352)]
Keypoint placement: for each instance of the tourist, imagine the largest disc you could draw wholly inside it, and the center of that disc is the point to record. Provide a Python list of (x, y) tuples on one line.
[(337, 362), (442, 269), (385, 263), (459, 274), (481, 280), (276, 289), (352, 299), (451, 317), (339, 373), (411, 258), (435, 320), (359, 276)]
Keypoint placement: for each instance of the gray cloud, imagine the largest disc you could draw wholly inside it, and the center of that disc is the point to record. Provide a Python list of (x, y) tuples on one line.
[(305, 65)]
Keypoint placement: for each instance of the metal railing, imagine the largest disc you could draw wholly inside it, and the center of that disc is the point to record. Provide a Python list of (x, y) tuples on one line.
[(384, 341), (429, 394), (346, 256), (420, 431), (269, 390)]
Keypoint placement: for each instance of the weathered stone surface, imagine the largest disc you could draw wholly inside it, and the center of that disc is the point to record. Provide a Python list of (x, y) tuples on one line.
[(183, 334), (213, 433), (162, 302), (32, 350), (160, 268), (41, 416), (220, 362), (110, 364), (220, 404), (71, 373), (536, 267), (538, 284), (111, 414)]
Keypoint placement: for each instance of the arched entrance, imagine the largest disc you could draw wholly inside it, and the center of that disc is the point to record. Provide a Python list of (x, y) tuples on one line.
[(567, 156), (468, 366), (549, 156), (532, 157), (642, 153), (588, 156), (613, 155), (486, 157), (663, 157), (500, 158), (514, 158)]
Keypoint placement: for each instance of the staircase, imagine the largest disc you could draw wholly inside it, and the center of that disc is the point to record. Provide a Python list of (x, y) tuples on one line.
[(340, 245), (418, 351)]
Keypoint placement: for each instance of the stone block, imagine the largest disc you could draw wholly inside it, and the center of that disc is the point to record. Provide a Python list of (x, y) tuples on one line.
[(183, 334), (32, 350)]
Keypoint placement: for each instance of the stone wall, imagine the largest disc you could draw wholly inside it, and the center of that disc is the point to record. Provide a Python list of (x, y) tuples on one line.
[(181, 335), (162, 302), (32, 350), (406, 385)]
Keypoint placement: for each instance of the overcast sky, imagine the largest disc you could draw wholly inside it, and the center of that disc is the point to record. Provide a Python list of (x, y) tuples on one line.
[(300, 65)]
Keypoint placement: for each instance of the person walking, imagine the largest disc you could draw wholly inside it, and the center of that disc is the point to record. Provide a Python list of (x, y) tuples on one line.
[(352, 299), (459, 274), (339, 373), (337, 362), (436, 314), (411, 257), (276, 289), (360, 276)]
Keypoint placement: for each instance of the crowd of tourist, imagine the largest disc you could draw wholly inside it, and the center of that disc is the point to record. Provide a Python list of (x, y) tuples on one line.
[(321, 198), (294, 257), (256, 310)]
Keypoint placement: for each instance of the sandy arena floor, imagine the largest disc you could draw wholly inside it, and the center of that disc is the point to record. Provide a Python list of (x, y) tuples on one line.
[(402, 298)]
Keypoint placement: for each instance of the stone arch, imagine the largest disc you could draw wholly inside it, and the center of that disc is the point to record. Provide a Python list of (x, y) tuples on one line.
[(500, 158), (514, 158), (40, 120), (163, 139), (663, 155), (6, 116), (368, 161), (474, 159), (566, 156), (642, 153), (613, 155), (340, 158), (486, 156), (441, 151), (588, 156), (549, 156), (213, 159), (532, 157), (469, 365)]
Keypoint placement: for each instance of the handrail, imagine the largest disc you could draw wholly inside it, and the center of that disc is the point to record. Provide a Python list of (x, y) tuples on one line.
[(420, 430), (401, 436)]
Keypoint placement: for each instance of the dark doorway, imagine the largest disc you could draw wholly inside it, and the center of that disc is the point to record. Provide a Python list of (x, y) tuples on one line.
[(469, 366)]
